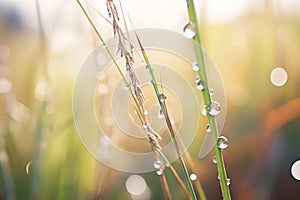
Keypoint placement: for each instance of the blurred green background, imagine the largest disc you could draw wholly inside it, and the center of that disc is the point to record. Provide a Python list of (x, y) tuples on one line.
[(41, 156)]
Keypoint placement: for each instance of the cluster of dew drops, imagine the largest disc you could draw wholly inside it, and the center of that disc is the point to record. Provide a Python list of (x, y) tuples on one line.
[(214, 108)]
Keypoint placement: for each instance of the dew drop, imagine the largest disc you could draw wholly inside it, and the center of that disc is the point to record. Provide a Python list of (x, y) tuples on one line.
[(159, 172), (145, 112), (195, 66), (214, 160), (200, 85), (228, 181), (103, 45), (222, 142), (189, 30), (157, 164), (207, 128), (214, 108), (193, 177), (211, 92), (160, 114), (162, 97)]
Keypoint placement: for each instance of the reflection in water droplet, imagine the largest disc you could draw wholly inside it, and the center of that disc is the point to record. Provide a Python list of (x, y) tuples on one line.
[(295, 170), (136, 185), (189, 30), (193, 177), (195, 66), (222, 142), (207, 128), (42, 91), (214, 160), (214, 108), (28, 166), (5, 86), (278, 76)]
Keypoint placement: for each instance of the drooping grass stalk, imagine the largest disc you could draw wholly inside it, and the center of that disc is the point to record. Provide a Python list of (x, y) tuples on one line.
[(190, 163), (164, 109), (207, 100), (138, 105)]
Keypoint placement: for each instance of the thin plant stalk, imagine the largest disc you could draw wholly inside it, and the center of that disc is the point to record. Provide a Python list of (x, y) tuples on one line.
[(138, 106), (165, 185), (198, 185), (207, 100), (164, 109)]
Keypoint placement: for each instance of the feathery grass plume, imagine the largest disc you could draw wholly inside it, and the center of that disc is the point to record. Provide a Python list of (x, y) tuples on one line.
[(207, 100), (137, 95)]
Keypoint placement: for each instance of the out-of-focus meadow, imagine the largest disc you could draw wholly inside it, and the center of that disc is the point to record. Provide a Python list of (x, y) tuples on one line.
[(41, 155)]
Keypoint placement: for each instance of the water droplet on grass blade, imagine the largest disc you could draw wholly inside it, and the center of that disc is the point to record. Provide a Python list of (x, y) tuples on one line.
[(189, 30), (195, 66), (193, 177), (214, 108), (159, 172), (207, 128), (222, 142), (162, 97), (200, 85), (228, 181), (157, 164), (214, 160)]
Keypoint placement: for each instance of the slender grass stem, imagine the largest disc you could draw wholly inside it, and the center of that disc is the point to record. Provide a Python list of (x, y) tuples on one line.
[(139, 108), (207, 100), (164, 109), (165, 185)]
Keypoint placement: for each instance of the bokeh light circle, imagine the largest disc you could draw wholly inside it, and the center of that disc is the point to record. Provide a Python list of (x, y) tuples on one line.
[(278, 76), (295, 170)]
